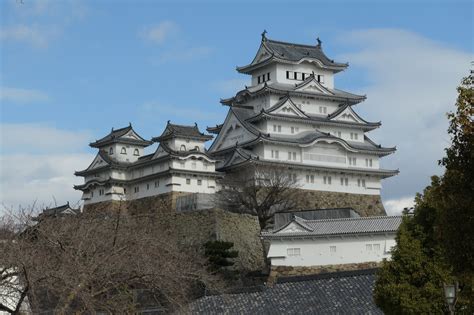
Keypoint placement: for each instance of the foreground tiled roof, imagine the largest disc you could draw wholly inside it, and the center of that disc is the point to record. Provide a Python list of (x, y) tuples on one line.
[(336, 293), (362, 225)]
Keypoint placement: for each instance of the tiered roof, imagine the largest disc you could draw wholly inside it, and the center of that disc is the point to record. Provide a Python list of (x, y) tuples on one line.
[(277, 51), (292, 90), (245, 116), (124, 135), (182, 131)]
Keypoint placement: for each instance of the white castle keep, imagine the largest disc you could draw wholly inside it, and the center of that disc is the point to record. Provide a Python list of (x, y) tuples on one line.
[(291, 117)]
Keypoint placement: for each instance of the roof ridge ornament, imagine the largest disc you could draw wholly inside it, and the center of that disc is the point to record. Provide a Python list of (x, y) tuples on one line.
[(264, 37), (319, 45)]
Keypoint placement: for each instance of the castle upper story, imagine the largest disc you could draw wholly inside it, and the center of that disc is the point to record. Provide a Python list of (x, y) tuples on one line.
[(289, 63)]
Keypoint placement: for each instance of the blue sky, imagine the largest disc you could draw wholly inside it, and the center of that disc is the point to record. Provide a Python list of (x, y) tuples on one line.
[(70, 70)]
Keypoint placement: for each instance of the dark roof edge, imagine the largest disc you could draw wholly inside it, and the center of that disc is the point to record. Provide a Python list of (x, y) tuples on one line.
[(328, 275)]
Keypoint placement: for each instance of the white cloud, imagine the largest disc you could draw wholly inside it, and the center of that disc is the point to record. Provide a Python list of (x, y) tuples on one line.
[(37, 163), (160, 32), (412, 85), (35, 35), (396, 206), (40, 178), (40, 138), (16, 95), (230, 86)]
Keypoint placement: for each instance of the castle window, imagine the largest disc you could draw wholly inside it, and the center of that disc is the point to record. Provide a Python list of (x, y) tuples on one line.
[(183, 147), (332, 249), (368, 247), (346, 181), (136, 152), (196, 148), (295, 178), (293, 251), (292, 129), (363, 183), (323, 109), (327, 180), (188, 181), (268, 76), (274, 128), (147, 186), (287, 74), (368, 162), (279, 128), (123, 151), (321, 78), (199, 182), (136, 189), (111, 151), (101, 192), (92, 194), (157, 183)]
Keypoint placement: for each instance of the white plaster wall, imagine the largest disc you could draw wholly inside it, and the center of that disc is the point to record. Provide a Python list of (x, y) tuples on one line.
[(316, 252), (305, 67), (129, 156), (189, 144), (263, 71)]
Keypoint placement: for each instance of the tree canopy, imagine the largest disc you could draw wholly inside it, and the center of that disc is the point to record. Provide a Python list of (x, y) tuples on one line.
[(435, 244)]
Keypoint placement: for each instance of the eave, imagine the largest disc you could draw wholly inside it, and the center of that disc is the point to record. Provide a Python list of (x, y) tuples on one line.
[(360, 171)]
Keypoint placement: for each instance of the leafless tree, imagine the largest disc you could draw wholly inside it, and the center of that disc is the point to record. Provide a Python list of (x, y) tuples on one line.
[(98, 261), (259, 190)]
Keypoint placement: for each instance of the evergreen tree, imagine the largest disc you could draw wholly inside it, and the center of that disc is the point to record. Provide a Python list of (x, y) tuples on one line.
[(436, 245), (219, 254)]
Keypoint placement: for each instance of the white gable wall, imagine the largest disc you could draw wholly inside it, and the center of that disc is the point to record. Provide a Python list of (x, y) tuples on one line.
[(317, 251)]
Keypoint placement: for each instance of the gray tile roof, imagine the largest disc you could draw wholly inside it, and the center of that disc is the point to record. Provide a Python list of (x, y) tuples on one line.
[(58, 211), (290, 53), (337, 293), (173, 130), (345, 226), (282, 88), (115, 136)]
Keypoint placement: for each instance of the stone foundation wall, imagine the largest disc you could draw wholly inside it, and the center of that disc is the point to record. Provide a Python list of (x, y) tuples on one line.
[(364, 205), (288, 271), (194, 228)]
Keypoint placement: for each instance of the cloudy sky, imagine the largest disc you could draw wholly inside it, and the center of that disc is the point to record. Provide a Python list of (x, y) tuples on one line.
[(71, 70)]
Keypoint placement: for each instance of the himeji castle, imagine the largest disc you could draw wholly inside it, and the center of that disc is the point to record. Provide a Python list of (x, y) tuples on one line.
[(294, 118), (291, 117), (121, 171)]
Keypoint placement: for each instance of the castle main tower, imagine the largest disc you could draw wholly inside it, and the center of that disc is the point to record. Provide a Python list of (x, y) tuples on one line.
[(293, 117)]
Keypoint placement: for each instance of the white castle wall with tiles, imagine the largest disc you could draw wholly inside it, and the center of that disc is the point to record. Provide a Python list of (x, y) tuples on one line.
[(331, 250)]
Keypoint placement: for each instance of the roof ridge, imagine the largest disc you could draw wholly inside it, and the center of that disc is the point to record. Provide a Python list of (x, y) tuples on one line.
[(293, 44), (355, 218)]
